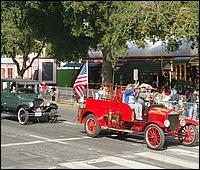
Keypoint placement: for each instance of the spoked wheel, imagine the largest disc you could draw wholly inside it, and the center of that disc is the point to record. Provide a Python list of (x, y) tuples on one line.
[(22, 116), (154, 137), (188, 135), (52, 118), (91, 126)]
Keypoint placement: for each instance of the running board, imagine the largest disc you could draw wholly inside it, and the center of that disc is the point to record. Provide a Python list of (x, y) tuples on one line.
[(125, 130)]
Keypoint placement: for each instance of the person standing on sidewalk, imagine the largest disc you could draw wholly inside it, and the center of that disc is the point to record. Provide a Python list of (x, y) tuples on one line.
[(53, 94), (43, 88), (191, 99)]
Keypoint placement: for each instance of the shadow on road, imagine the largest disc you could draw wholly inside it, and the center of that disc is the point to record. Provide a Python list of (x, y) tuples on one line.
[(32, 120), (137, 138)]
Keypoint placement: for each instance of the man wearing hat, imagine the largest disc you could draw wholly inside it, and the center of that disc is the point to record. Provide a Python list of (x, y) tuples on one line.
[(130, 99), (143, 95)]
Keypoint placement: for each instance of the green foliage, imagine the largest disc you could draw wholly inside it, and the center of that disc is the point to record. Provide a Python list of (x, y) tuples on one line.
[(70, 28), (111, 23), (17, 37), (171, 21)]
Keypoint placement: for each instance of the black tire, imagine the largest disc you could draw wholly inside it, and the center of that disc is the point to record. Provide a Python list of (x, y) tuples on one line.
[(191, 138), (22, 116), (91, 126), (52, 118), (154, 137)]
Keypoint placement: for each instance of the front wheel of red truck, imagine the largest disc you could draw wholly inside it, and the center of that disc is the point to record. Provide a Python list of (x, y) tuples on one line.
[(188, 135), (91, 126), (154, 137)]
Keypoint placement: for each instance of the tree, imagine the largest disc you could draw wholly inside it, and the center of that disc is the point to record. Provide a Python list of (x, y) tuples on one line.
[(171, 22), (70, 28), (17, 37), (107, 23), (110, 24)]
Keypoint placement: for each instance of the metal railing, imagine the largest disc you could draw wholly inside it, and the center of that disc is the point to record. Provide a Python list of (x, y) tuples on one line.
[(187, 109)]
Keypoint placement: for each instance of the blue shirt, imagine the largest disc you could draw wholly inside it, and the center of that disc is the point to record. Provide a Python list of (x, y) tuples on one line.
[(129, 96)]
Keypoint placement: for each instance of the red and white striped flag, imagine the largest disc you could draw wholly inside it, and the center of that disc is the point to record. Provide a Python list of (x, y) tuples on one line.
[(81, 81)]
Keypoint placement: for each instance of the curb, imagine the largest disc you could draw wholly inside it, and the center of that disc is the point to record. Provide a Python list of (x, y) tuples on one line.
[(64, 103)]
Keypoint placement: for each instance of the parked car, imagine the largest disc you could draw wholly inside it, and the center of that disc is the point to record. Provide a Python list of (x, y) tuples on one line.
[(158, 121), (21, 97)]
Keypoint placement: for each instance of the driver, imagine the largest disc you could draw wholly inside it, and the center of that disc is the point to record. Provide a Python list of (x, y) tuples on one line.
[(130, 99), (13, 88)]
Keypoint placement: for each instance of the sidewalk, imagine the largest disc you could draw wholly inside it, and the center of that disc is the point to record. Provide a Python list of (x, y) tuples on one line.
[(62, 103)]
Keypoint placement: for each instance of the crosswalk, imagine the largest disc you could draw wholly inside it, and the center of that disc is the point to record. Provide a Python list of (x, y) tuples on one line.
[(171, 158)]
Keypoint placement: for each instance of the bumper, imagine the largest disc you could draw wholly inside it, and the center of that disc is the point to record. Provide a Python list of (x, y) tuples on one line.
[(40, 114)]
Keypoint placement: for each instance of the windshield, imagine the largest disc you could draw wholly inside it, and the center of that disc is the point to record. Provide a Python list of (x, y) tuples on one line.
[(28, 89)]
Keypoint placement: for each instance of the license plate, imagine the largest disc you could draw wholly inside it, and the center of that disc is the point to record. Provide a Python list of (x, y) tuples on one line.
[(38, 113)]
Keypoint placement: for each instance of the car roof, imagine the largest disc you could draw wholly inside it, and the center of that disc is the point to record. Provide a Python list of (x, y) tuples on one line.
[(22, 81)]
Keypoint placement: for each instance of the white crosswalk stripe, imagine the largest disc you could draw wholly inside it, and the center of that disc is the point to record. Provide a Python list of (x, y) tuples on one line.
[(116, 160), (78, 165), (184, 152), (172, 157), (169, 159)]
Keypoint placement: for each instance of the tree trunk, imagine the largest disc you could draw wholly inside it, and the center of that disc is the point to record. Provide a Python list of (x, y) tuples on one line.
[(106, 69), (25, 57), (20, 75)]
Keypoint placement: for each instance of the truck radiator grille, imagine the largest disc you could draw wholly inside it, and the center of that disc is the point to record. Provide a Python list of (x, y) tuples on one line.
[(37, 103), (174, 118)]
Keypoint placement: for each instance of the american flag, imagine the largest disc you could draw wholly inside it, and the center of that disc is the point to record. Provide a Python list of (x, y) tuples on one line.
[(81, 81)]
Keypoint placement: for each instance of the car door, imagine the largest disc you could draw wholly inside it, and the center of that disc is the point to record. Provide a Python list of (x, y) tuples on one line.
[(4, 94), (12, 103), (10, 99)]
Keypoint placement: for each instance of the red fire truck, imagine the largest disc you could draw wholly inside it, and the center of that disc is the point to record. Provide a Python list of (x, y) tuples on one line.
[(158, 121)]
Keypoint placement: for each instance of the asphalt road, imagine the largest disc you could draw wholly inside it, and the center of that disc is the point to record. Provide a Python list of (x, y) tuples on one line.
[(65, 145)]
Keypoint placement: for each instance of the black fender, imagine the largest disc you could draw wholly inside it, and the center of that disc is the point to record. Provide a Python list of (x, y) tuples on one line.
[(51, 106), (26, 107)]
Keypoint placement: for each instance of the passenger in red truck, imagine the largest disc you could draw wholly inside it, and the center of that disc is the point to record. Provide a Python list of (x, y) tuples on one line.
[(130, 99)]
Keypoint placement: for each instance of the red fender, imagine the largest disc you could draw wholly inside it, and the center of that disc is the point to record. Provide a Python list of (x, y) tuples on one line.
[(101, 120), (190, 121), (160, 124)]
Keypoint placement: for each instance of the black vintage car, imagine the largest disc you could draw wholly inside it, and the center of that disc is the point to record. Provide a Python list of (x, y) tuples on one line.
[(21, 97)]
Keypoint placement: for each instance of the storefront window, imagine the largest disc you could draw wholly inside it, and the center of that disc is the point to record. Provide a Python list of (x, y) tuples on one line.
[(2, 73), (10, 72)]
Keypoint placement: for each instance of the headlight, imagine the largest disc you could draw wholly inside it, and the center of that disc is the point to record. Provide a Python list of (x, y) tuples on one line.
[(182, 122), (31, 104), (48, 104), (166, 123)]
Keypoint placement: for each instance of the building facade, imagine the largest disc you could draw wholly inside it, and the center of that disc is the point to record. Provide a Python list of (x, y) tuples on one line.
[(42, 69)]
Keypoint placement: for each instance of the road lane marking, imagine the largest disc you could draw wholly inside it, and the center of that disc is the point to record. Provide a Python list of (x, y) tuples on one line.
[(78, 165), (45, 140), (39, 137), (61, 139), (115, 160), (169, 159), (71, 123), (129, 163), (22, 143), (184, 152), (196, 147)]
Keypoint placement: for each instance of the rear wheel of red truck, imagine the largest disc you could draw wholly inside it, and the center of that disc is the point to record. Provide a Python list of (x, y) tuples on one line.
[(91, 126), (154, 137)]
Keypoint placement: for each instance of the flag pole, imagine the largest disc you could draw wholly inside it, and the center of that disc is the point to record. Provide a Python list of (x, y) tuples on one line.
[(87, 87)]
